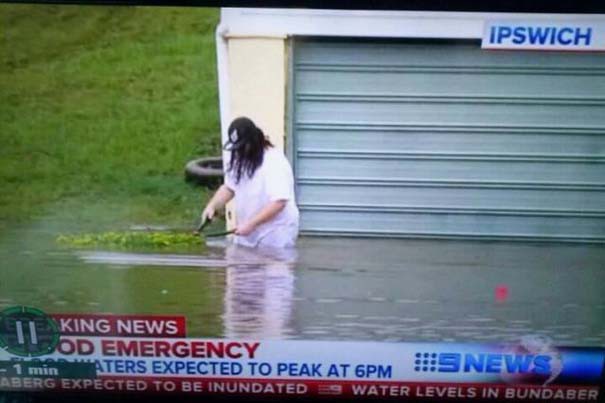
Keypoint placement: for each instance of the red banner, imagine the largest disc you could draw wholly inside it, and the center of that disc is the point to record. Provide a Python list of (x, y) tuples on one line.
[(329, 389), (120, 325)]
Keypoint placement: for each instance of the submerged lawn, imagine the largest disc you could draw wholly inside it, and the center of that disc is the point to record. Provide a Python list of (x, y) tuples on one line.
[(101, 109)]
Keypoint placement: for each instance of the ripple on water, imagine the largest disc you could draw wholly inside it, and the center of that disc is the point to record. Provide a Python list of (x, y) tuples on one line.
[(316, 331), (120, 260), (346, 316), (573, 326), (407, 301), (480, 320), (328, 300), (486, 336), (469, 334), (414, 329), (381, 318), (517, 329), (463, 328), (328, 269), (377, 299), (362, 325)]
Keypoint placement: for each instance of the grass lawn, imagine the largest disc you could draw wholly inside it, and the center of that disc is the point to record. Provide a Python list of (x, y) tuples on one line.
[(101, 109)]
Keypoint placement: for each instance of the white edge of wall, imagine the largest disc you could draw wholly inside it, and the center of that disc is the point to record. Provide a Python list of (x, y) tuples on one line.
[(362, 23), (222, 58)]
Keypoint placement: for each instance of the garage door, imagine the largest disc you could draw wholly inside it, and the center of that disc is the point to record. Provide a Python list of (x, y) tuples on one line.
[(444, 140)]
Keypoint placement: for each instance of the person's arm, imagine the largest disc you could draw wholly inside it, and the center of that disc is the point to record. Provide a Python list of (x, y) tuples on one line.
[(218, 201), (266, 214)]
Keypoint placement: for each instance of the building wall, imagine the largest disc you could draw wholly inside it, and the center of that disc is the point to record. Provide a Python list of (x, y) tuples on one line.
[(252, 50), (257, 72)]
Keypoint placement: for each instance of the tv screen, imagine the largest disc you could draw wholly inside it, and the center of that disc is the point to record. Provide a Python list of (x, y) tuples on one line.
[(289, 203)]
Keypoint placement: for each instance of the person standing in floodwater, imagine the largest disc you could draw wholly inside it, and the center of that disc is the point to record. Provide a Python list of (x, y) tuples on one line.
[(260, 179)]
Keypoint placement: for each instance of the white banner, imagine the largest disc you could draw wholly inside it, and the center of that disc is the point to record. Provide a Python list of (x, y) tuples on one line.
[(525, 362)]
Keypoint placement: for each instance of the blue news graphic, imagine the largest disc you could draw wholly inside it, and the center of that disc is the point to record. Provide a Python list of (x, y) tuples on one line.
[(581, 365), (540, 35), (531, 361), (485, 363)]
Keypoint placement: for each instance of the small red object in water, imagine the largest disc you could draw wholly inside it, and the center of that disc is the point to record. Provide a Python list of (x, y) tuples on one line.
[(501, 293)]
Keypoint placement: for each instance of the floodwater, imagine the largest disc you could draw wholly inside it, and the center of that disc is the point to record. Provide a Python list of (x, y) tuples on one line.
[(328, 289)]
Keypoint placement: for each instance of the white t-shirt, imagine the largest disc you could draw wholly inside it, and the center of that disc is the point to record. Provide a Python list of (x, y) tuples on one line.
[(272, 181)]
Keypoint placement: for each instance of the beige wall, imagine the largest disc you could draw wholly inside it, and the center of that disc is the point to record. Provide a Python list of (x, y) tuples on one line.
[(257, 87)]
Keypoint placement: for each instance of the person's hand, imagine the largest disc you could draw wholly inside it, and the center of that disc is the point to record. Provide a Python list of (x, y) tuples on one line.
[(208, 213), (244, 229)]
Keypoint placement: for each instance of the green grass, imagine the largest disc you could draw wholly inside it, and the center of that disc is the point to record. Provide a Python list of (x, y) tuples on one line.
[(101, 109)]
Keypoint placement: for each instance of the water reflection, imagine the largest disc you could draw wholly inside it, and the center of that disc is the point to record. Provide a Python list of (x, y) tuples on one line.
[(386, 290), (258, 289), (258, 297), (335, 289)]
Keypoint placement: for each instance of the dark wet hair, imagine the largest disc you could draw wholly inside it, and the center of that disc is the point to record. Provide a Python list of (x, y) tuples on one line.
[(247, 144)]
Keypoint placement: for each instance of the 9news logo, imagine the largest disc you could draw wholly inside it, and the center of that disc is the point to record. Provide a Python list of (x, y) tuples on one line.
[(425, 362), (495, 363)]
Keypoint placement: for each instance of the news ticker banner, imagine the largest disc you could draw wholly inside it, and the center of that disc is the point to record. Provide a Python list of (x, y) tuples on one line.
[(530, 369), (571, 35), (307, 368)]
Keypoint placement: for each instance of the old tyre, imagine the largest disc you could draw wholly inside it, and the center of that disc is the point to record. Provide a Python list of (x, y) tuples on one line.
[(205, 171)]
